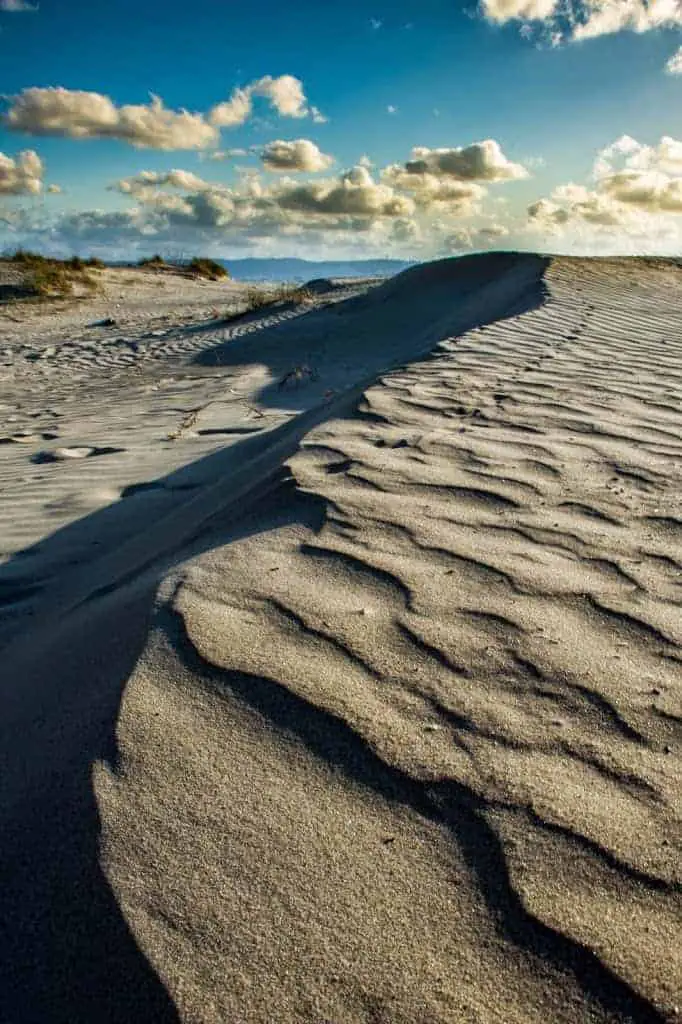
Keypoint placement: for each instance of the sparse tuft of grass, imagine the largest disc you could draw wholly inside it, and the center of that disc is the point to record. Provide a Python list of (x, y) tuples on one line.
[(256, 299), (202, 266), (285, 294)]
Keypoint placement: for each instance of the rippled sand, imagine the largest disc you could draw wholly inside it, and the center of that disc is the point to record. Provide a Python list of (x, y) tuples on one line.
[(374, 715)]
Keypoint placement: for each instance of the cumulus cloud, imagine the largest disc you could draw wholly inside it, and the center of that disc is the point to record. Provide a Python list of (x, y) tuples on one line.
[(522, 10), (354, 193), (481, 161), (674, 65), (576, 202), (604, 17), (648, 177), (547, 214), (474, 237), (455, 178), (404, 207), (586, 19), (21, 175), (429, 189), (297, 155), (90, 115), (634, 191), (285, 95), (353, 202)]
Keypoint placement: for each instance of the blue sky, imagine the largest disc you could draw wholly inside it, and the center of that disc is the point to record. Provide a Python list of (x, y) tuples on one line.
[(551, 92)]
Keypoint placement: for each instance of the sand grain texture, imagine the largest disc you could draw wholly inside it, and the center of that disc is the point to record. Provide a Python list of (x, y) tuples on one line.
[(374, 715)]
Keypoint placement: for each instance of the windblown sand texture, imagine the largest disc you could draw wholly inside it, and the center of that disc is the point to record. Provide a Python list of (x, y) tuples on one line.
[(373, 714)]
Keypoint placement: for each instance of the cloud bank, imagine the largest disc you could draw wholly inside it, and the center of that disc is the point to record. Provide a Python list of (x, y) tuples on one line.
[(636, 191)]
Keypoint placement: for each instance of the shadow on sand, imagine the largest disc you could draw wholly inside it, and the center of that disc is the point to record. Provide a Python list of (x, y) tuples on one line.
[(76, 613)]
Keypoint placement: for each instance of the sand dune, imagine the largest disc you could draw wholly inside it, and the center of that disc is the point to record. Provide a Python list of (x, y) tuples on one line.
[(353, 694)]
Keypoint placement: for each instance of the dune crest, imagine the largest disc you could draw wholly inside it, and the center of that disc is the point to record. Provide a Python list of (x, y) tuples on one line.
[(401, 741)]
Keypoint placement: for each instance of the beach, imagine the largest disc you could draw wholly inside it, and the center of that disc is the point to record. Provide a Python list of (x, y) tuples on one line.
[(341, 648)]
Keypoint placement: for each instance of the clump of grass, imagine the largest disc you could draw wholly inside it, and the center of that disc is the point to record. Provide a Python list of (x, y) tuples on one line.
[(202, 266), (256, 299), (79, 264), (46, 277), (285, 294)]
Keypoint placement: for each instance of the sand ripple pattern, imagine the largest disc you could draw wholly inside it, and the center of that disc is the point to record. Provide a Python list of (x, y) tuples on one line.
[(493, 608)]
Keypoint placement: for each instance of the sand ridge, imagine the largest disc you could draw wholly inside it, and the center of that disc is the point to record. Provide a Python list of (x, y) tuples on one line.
[(399, 740)]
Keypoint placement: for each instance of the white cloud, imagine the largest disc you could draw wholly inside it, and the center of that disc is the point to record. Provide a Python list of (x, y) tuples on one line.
[(647, 177), (481, 161), (452, 178), (141, 183), (429, 189), (233, 112), (474, 237), (297, 155), (547, 214), (635, 193), (586, 19), (54, 190), (604, 17), (391, 109), (376, 24), (674, 65), (354, 193), (90, 115), (21, 175), (351, 203), (285, 95), (401, 208), (522, 10)]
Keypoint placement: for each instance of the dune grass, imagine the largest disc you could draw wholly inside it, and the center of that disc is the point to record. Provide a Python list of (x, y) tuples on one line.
[(47, 277), (199, 266), (203, 266), (285, 294)]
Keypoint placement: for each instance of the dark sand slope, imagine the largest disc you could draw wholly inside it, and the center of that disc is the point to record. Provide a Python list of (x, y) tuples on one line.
[(400, 740)]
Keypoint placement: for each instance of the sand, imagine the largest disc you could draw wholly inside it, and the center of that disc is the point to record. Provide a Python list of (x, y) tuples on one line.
[(342, 652)]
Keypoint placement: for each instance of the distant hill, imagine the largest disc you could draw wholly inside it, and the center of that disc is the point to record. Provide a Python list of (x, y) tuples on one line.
[(306, 270)]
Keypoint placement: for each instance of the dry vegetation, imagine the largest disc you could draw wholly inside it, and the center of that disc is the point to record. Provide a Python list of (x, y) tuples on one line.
[(46, 277), (285, 294), (200, 266), (204, 267), (258, 298)]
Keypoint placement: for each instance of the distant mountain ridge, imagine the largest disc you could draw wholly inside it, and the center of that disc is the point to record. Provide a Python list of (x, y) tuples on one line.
[(285, 269)]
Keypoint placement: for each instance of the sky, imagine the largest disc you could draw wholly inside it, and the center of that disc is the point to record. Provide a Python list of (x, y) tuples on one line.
[(369, 128)]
